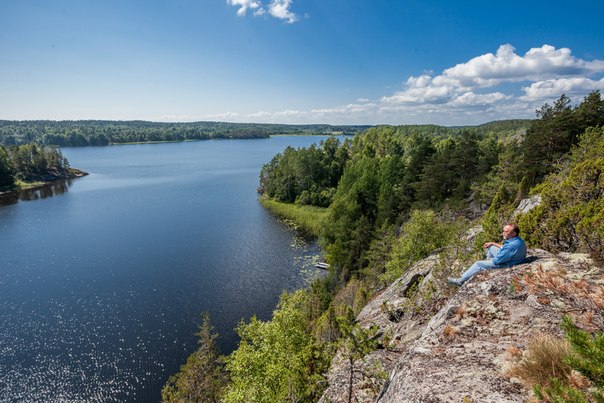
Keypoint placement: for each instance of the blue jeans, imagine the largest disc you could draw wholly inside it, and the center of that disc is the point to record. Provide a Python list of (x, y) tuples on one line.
[(483, 264)]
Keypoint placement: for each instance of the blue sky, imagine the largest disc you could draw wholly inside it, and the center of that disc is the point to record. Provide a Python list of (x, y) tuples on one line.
[(296, 61)]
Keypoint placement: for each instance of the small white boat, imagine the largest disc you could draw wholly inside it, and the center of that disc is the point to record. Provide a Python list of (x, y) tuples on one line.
[(322, 265)]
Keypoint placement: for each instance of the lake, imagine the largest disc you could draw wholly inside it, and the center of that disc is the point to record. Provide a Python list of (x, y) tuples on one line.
[(103, 279)]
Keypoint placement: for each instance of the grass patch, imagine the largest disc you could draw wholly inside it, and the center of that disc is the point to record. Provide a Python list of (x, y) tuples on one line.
[(19, 184), (307, 218), (543, 360)]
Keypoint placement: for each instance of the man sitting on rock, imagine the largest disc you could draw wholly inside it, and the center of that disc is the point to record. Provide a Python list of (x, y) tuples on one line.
[(511, 253)]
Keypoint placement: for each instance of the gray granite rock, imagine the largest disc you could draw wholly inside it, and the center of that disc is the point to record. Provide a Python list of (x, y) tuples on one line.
[(450, 344)]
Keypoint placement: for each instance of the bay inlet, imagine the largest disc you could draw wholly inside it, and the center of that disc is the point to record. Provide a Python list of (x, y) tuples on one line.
[(102, 281)]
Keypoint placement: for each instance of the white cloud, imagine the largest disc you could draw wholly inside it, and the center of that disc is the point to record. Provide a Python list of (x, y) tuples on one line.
[(461, 91), (344, 109), (506, 66), (423, 89), (472, 99), (490, 70), (288, 112), (280, 9), (225, 116), (276, 8), (260, 114), (554, 88), (244, 5)]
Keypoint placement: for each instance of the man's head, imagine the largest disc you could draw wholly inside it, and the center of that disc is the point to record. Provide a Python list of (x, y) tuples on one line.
[(510, 231)]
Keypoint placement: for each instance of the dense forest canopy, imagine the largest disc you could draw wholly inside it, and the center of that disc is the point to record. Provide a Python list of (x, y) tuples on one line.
[(103, 132), (311, 175), (31, 162), (390, 197)]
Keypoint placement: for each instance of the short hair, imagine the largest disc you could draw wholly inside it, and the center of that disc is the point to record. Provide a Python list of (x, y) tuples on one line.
[(515, 228)]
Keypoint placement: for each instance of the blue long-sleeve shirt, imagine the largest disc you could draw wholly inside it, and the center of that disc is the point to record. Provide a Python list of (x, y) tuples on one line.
[(512, 252)]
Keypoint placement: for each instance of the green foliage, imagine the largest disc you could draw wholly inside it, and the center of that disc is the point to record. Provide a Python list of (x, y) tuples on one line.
[(356, 342), (392, 170), (421, 235), (30, 162), (7, 178), (450, 171), (278, 360), (571, 216), (588, 357), (509, 127), (378, 255), (305, 175), (506, 173), (556, 131), (499, 213), (488, 153), (377, 180), (558, 392), (353, 213), (202, 378)]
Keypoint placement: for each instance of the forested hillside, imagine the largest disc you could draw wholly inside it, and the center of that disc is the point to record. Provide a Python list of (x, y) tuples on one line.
[(102, 132), (392, 196)]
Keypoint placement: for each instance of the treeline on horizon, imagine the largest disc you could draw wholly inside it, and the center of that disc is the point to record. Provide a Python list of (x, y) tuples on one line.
[(77, 133), (389, 198)]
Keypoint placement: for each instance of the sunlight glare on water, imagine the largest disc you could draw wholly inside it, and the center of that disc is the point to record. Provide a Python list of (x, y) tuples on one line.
[(103, 279)]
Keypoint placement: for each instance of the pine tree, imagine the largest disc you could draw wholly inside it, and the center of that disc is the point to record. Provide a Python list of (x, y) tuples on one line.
[(6, 171), (589, 352), (202, 378)]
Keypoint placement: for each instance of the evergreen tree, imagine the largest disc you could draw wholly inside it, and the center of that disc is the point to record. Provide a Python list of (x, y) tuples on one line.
[(556, 131), (6, 170), (356, 342), (571, 214), (202, 378)]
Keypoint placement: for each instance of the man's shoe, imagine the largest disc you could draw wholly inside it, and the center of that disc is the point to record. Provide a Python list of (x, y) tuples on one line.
[(456, 281)]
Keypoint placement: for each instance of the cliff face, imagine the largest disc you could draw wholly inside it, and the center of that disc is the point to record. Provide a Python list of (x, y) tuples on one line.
[(440, 343)]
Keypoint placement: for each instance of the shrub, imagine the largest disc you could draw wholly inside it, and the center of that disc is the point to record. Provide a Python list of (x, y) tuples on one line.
[(423, 233), (278, 360), (499, 213), (571, 216)]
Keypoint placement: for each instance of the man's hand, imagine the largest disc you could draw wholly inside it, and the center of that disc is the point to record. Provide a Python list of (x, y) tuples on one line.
[(489, 244)]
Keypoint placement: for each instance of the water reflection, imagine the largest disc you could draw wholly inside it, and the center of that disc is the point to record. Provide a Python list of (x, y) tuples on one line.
[(101, 289), (51, 189)]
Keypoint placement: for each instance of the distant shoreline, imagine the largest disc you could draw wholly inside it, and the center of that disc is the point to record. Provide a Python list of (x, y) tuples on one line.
[(129, 143)]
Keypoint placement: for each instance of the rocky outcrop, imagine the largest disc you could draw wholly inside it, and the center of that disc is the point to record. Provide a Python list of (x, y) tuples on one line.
[(440, 343), (527, 205)]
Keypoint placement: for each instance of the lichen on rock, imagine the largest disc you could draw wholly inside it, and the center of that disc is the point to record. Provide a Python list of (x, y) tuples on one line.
[(454, 345)]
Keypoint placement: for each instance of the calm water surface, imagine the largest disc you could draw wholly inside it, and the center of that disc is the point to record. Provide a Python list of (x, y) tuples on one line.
[(103, 279)]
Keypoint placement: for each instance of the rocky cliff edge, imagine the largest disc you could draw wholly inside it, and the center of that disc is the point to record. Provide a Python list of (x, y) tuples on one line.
[(440, 343)]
